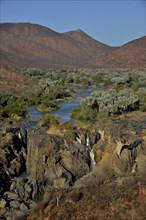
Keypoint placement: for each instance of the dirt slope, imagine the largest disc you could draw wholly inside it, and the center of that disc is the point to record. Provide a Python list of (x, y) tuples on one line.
[(130, 55), (30, 45)]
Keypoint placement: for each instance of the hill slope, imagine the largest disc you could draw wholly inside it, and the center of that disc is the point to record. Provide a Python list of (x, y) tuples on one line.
[(130, 55), (31, 45), (10, 78)]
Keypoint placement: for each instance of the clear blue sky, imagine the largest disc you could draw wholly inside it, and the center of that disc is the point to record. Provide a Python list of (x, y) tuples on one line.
[(113, 22)]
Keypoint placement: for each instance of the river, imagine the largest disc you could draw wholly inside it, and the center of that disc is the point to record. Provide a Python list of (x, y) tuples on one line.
[(65, 106)]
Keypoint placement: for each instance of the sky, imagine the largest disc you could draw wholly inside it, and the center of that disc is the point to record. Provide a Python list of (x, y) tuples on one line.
[(113, 22)]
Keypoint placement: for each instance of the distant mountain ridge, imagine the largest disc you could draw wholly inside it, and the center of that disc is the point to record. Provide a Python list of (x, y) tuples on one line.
[(30, 45), (130, 55)]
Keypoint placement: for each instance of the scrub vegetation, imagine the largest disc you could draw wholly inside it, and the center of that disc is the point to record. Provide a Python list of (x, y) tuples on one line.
[(124, 91), (12, 106)]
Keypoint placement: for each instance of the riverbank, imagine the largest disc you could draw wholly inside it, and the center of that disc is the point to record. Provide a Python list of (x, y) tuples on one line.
[(65, 106)]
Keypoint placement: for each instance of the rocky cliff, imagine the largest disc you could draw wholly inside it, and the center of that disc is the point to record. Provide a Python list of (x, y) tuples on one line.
[(71, 175)]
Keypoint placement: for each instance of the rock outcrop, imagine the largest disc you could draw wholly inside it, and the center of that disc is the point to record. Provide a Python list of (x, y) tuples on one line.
[(37, 166), (51, 158), (13, 150)]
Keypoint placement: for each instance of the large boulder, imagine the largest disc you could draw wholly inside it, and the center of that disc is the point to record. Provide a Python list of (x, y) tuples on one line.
[(51, 158)]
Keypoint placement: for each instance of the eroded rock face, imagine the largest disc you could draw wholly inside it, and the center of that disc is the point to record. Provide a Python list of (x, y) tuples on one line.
[(117, 153), (13, 149), (59, 161), (50, 158), (121, 158), (87, 137), (4, 180), (13, 143), (34, 164)]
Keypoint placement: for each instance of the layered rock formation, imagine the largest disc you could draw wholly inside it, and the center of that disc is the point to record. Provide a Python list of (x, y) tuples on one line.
[(56, 160), (58, 170)]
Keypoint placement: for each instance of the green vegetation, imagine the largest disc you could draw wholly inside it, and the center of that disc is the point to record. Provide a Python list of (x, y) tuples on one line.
[(109, 102), (54, 85), (141, 92), (83, 114), (82, 77), (124, 91), (46, 105), (62, 129), (12, 106), (49, 120)]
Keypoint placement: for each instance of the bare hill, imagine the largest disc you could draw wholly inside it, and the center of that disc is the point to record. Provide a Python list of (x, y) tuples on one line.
[(10, 78), (31, 45), (130, 55)]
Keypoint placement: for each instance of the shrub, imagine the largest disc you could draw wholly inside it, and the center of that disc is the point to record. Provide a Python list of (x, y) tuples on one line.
[(141, 90), (11, 105), (33, 100), (111, 101), (142, 107), (98, 78), (4, 98), (121, 79), (87, 114), (49, 120), (46, 105)]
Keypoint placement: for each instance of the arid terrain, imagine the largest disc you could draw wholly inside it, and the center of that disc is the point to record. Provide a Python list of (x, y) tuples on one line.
[(130, 55), (30, 45)]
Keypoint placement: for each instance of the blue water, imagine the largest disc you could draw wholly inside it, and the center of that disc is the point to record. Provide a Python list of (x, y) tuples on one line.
[(34, 114), (33, 117), (65, 108), (68, 105)]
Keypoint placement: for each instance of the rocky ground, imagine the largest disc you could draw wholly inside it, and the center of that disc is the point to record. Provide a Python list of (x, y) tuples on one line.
[(97, 173)]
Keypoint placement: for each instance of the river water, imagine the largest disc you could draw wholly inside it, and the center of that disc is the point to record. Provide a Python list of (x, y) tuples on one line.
[(65, 106)]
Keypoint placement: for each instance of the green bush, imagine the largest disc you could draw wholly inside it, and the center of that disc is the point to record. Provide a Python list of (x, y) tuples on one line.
[(86, 114), (121, 79), (98, 78), (49, 120), (15, 108), (4, 98), (111, 101), (11, 105), (33, 100), (46, 105), (142, 107)]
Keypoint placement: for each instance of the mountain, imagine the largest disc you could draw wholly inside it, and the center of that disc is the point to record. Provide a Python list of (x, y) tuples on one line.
[(91, 46), (31, 45), (130, 55), (24, 45)]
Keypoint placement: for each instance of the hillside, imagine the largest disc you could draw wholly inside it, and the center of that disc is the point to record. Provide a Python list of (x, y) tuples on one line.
[(10, 78), (24, 45), (31, 45), (130, 55)]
